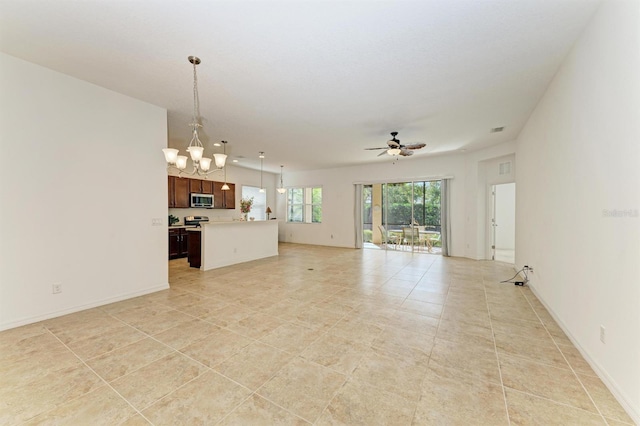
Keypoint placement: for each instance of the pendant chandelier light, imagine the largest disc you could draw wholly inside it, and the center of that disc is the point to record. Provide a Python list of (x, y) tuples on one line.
[(282, 189), (261, 162), (201, 164), (225, 187)]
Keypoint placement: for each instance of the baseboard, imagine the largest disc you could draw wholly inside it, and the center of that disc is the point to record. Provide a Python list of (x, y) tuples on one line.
[(601, 372), (54, 314)]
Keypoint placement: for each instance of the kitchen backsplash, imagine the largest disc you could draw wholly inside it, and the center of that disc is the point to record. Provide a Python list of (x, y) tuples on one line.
[(213, 214)]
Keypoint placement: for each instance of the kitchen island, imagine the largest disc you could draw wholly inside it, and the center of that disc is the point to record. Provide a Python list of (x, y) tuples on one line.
[(229, 243)]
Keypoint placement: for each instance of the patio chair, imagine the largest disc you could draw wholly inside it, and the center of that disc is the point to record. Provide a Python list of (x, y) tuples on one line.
[(388, 238), (433, 240), (411, 236)]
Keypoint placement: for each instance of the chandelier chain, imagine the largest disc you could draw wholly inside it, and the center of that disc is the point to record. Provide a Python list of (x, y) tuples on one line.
[(196, 98)]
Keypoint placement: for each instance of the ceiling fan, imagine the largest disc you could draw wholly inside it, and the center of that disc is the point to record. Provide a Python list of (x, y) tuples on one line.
[(395, 148)]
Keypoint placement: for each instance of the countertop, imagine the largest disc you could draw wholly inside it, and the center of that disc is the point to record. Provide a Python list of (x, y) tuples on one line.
[(244, 222), (181, 226)]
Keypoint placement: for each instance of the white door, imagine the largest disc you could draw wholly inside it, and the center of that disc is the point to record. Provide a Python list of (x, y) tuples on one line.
[(504, 222)]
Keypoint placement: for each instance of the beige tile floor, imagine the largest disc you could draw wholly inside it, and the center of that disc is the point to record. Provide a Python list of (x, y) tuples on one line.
[(313, 336)]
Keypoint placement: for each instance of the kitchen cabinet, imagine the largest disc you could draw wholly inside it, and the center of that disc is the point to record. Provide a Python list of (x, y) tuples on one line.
[(224, 199), (206, 186), (195, 248), (230, 197), (178, 192), (171, 186), (178, 243), (197, 186)]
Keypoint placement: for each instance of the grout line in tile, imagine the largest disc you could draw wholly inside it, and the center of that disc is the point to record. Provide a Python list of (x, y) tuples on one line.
[(555, 402), (100, 377), (566, 360), (495, 348)]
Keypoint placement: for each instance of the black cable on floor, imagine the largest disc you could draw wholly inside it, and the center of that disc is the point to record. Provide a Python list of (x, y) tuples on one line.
[(510, 280)]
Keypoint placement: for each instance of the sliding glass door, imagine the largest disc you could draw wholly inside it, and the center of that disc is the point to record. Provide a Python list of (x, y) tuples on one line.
[(402, 216)]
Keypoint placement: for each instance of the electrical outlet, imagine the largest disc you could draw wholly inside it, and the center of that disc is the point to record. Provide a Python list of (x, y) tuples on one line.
[(156, 221), (56, 288), (602, 334)]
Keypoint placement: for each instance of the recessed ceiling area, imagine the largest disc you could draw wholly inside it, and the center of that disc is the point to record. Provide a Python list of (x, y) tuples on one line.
[(312, 83)]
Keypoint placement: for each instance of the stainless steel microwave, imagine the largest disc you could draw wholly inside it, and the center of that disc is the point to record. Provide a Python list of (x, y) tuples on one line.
[(202, 200)]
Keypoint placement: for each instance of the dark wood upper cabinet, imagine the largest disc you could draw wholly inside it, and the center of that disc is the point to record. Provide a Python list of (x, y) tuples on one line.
[(206, 187), (179, 190), (172, 190), (181, 193), (224, 199), (218, 195), (195, 186), (230, 197)]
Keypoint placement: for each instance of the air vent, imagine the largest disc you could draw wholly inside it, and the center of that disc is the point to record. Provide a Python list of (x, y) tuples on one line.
[(497, 129), (505, 168)]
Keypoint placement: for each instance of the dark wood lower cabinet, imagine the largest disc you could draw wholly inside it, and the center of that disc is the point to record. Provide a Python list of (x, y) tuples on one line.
[(178, 243), (195, 249)]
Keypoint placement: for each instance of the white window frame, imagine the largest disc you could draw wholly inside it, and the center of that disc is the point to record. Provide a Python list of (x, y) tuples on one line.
[(307, 203)]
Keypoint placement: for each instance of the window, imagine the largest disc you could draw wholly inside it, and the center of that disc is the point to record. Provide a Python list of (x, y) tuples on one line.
[(304, 205), (258, 210)]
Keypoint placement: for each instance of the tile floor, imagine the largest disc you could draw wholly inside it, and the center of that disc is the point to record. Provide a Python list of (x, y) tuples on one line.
[(314, 336)]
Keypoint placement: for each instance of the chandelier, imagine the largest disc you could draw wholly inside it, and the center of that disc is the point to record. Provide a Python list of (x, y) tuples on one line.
[(282, 189), (201, 164)]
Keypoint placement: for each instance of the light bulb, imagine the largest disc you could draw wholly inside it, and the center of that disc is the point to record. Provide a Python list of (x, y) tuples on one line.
[(170, 155), (205, 164), (221, 160), (181, 162)]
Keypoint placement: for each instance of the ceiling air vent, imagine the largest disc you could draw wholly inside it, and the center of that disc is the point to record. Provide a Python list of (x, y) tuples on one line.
[(497, 129), (505, 168)]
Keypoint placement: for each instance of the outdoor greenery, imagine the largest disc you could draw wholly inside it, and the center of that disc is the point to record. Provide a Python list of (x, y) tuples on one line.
[(304, 205), (397, 203)]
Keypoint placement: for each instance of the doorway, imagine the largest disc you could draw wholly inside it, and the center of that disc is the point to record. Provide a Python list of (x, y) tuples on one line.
[(503, 222)]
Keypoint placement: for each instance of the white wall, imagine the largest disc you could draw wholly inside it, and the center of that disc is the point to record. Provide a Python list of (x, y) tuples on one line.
[(579, 158), (481, 172), (505, 215), (338, 227), (467, 233), (338, 197), (75, 156)]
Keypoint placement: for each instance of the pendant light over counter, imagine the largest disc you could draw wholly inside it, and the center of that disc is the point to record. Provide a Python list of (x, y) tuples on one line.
[(261, 165), (281, 189)]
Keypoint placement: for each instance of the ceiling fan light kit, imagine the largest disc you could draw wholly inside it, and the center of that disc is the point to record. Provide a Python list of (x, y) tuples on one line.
[(394, 148)]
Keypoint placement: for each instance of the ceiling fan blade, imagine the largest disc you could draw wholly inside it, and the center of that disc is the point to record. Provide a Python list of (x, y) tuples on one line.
[(382, 153), (406, 153), (369, 149), (414, 146)]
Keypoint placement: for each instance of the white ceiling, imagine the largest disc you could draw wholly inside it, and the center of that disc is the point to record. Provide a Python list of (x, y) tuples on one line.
[(312, 83)]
